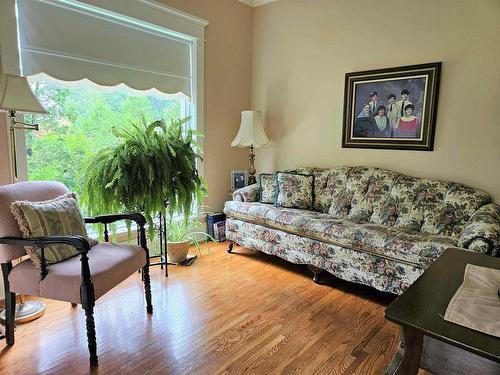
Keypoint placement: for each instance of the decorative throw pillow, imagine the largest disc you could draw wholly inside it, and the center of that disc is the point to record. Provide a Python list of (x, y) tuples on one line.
[(267, 187), (59, 216), (294, 190)]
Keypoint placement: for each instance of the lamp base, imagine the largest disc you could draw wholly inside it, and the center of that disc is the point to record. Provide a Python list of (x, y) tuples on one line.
[(251, 172), (26, 312)]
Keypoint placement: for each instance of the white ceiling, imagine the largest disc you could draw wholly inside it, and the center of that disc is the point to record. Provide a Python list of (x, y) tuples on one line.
[(256, 3)]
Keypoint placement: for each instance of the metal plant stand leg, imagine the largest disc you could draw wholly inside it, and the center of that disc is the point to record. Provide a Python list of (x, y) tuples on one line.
[(163, 243)]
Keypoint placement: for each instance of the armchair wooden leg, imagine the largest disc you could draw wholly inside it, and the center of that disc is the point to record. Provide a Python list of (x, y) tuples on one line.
[(230, 246), (91, 339), (87, 298), (147, 288), (10, 305)]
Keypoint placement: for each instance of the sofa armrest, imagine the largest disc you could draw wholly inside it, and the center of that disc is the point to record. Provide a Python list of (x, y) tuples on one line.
[(482, 231), (249, 193)]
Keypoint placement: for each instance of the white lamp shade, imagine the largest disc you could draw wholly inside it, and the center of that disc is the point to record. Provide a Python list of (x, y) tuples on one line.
[(251, 131), (16, 95)]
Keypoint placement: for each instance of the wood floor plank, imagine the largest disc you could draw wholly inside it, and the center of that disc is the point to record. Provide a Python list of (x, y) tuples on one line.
[(240, 313)]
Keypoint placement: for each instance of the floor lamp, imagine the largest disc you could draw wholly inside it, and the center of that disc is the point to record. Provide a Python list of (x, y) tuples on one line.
[(251, 134), (16, 95)]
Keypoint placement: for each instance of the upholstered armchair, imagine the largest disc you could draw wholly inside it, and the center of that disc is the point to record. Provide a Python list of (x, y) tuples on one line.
[(81, 279)]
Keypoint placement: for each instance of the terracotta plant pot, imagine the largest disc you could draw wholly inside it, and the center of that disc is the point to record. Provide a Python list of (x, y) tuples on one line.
[(177, 251)]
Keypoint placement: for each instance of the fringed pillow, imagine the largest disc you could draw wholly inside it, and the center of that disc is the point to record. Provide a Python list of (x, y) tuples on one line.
[(56, 217)]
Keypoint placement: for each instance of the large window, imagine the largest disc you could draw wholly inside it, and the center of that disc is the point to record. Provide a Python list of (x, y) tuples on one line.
[(81, 119), (83, 59)]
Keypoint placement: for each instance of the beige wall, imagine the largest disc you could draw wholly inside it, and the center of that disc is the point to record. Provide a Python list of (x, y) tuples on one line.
[(303, 48), (228, 71)]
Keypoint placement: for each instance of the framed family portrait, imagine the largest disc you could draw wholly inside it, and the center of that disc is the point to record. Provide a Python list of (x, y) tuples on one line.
[(392, 108), (239, 179)]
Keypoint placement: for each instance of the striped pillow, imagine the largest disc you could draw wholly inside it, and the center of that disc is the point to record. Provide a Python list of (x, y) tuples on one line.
[(59, 216)]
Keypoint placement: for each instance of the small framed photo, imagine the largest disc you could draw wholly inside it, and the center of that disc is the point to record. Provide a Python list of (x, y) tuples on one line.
[(392, 108), (239, 179)]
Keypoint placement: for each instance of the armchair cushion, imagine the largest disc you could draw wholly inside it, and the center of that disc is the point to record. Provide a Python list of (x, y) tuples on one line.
[(109, 264), (58, 216)]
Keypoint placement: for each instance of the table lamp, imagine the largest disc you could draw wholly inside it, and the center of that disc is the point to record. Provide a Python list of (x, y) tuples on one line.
[(251, 134), (16, 95)]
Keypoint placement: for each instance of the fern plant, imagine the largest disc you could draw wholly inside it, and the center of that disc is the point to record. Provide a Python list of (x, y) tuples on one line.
[(153, 164)]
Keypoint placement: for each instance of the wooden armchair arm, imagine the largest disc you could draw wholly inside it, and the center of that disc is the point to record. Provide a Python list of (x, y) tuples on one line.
[(80, 243), (134, 216), (108, 219), (138, 218)]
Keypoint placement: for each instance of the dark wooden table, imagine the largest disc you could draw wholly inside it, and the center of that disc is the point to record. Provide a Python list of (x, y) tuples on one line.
[(432, 343)]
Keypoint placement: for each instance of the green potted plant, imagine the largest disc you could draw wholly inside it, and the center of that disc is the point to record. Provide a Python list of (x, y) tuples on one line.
[(153, 164), (182, 234)]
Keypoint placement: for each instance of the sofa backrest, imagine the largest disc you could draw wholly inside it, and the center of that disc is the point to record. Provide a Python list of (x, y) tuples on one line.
[(388, 198)]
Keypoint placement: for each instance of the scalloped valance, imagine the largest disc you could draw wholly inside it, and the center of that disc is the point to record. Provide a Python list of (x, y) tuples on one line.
[(71, 40)]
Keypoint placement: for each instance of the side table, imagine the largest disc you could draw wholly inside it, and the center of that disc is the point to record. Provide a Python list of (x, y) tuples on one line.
[(432, 343)]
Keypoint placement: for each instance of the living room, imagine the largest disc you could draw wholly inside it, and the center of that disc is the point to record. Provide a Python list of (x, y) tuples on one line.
[(352, 147)]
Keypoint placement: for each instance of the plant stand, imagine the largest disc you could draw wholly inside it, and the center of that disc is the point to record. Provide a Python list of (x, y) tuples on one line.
[(162, 237), (161, 230)]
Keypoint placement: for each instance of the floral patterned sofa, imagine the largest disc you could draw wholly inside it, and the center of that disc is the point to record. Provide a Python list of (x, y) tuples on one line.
[(369, 225)]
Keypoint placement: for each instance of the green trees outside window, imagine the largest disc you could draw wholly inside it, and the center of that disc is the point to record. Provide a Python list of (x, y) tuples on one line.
[(80, 121)]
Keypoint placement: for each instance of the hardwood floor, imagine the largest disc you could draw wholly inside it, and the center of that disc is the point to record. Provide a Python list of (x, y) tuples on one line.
[(245, 312)]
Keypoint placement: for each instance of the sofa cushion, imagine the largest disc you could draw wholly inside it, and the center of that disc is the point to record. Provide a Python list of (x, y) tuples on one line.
[(328, 184), (267, 188), (374, 186), (411, 202), (294, 190), (458, 205), (364, 191), (393, 243)]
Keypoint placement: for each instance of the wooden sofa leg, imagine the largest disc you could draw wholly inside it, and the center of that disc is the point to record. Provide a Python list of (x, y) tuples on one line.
[(316, 273), (10, 305), (147, 288), (230, 246)]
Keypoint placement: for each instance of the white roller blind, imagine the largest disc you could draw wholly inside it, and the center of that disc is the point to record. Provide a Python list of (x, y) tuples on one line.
[(71, 41)]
